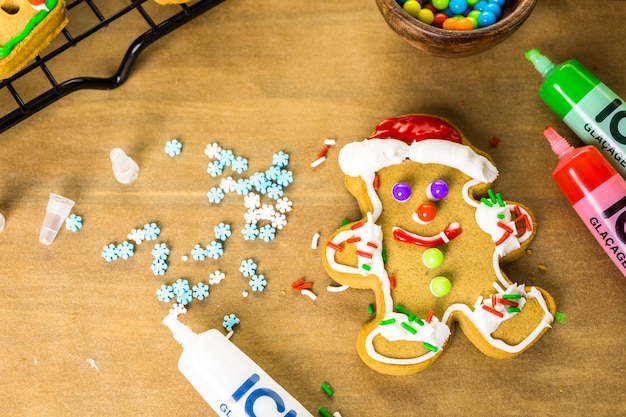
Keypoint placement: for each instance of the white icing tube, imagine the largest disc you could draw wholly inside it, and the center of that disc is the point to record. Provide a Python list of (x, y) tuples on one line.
[(228, 380)]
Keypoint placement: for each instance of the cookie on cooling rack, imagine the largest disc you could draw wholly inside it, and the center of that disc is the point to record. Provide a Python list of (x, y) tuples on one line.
[(26, 27)]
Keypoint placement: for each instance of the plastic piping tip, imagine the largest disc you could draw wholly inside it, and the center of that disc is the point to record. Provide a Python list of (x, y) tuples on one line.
[(557, 142), (57, 210), (124, 168), (542, 63)]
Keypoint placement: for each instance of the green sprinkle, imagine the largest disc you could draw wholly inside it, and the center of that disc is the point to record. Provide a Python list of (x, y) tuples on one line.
[(511, 296), (559, 317), (418, 321), (344, 222), (492, 196), (500, 201), (370, 309), (402, 309), (513, 310), (327, 389), (388, 321), (384, 255), (366, 267), (501, 216), (408, 327), (324, 413), (430, 347), (486, 202)]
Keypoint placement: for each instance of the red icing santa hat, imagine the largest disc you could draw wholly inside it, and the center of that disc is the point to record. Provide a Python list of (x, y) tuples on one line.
[(420, 138)]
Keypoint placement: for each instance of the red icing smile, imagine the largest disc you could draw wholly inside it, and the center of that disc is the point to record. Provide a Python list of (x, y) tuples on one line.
[(450, 232)]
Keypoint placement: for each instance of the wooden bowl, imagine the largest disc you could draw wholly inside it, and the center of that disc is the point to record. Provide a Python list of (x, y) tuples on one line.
[(453, 43)]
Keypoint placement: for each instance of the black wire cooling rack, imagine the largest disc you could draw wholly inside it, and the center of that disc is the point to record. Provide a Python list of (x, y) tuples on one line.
[(52, 89)]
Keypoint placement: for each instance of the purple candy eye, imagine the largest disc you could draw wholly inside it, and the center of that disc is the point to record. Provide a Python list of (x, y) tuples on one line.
[(437, 190), (401, 191)]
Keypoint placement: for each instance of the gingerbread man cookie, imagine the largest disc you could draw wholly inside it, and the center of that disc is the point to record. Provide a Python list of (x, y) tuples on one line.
[(430, 244)]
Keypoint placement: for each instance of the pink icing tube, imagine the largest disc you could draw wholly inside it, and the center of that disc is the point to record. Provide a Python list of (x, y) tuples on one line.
[(596, 191)]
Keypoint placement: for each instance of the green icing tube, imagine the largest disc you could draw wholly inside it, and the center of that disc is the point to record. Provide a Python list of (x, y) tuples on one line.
[(586, 105), (6, 49)]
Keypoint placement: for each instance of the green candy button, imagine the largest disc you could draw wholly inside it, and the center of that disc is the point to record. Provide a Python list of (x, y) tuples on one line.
[(440, 286)]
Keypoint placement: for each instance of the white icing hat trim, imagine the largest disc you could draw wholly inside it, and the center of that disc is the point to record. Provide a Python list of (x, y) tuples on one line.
[(369, 156)]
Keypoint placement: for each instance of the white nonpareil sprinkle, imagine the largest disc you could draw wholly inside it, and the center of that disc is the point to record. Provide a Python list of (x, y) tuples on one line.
[(337, 289), (308, 294), (316, 238), (329, 142), (318, 162)]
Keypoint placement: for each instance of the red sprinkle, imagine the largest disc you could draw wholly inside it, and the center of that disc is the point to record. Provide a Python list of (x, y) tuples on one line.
[(353, 240), (505, 227), (364, 254), (492, 311), (304, 286), (508, 302), (376, 183), (372, 245), (297, 283), (322, 152), (357, 225), (494, 141), (504, 237), (430, 316), (493, 300), (334, 246), (523, 217), (392, 282)]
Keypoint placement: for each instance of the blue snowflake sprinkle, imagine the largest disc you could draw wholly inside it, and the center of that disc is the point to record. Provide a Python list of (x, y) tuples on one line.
[(267, 233), (222, 231), (184, 298), (226, 157), (125, 249), (280, 159), (74, 223), (215, 168), (257, 178), (275, 191), (284, 178), (250, 231), (258, 283), (165, 293), (262, 187), (243, 186), (110, 252), (240, 165), (272, 173), (151, 231), (214, 250), (161, 251), (215, 195), (247, 268), (198, 253), (200, 291), (158, 267), (173, 147), (180, 286), (229, 322)]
